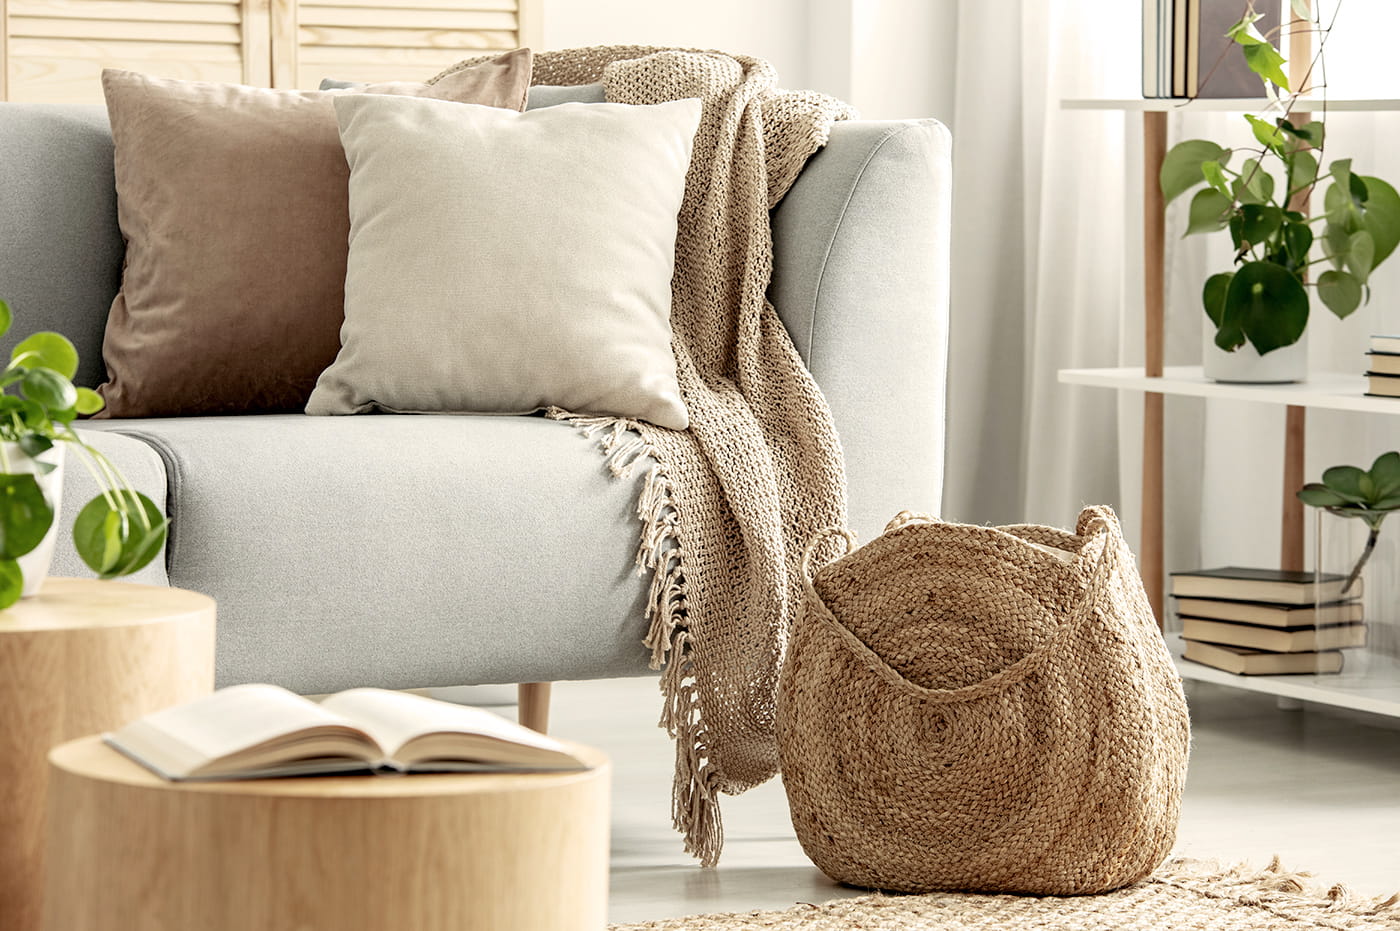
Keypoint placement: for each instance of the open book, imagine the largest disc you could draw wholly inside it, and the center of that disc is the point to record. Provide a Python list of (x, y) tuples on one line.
[(260, 731)]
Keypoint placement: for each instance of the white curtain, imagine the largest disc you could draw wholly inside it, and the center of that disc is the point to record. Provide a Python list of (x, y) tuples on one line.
[(1047, 274)]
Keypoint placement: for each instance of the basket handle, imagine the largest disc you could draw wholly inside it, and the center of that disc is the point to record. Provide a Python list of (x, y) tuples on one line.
[(1104, 540), (821, 537)]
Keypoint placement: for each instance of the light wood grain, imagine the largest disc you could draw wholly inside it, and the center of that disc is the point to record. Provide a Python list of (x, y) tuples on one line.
[(82, 656), (379, 37), (428, 853), (498, 6), (1151, 549), (530, 24), (106, 29), (155, 11), (534, 705), (4, 49), (401, 18), (257, 42)]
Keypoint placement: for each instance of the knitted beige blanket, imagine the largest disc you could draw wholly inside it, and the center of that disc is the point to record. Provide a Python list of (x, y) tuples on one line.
[(729, 504)]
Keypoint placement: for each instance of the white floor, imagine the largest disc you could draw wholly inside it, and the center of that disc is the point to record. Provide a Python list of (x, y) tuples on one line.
[(1320, 788)]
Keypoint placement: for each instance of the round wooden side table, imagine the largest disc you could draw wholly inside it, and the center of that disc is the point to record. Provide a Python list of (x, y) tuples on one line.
[(459, 852), (79, 657)]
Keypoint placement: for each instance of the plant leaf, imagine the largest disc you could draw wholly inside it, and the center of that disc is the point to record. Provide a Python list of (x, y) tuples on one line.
[(1303, 10), (6, 318), (1181, 169), (47, 350), (1264, 60), (89, 402), (1302, 171), (1382, 218), (1213, 297), (35, 444), (1320, 496), (1297, 241), (1215, 176), (1361, 252), (11, 582), (1255, 185), (1209, 212), (115, 541), (1385, 472), (1340, 291), (25, 515), (1345, 480), (1268, 135), (50, 389), (1269, 304), (1259, 222)]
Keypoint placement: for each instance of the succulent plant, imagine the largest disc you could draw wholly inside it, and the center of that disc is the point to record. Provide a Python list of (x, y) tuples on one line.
[(1369, 495)]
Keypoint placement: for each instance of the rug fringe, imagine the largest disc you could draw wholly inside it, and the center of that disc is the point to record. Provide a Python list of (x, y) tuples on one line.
[(1284, 891), (694, 802)]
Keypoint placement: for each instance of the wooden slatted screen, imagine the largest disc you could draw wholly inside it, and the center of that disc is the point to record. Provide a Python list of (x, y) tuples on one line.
[(55, 50)]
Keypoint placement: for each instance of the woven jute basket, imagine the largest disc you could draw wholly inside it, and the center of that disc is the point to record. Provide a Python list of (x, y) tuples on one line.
[(983, 708)]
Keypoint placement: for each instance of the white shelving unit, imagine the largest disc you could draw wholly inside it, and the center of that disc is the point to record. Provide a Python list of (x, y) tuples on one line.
[(1375, 687)]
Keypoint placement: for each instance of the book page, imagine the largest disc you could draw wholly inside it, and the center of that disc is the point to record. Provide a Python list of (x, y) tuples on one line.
[(181, 740), (395, 718)]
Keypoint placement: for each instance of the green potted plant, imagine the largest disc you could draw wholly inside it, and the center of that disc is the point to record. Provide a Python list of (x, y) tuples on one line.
[(1368, 495), (118, 532), (1260, 196)]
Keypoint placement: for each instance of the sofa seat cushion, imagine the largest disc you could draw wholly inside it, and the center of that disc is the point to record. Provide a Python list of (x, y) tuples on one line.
[(403, 551)]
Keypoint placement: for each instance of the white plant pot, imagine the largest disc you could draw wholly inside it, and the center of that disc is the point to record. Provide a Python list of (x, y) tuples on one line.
[(35, 563), (1246, 366)]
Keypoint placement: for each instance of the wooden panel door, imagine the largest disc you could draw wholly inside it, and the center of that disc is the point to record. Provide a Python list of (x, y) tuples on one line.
[(54, 50), (385, 40)]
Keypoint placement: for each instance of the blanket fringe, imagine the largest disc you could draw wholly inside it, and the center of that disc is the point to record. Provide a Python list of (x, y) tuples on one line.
[(1275, 887), (694, 802)]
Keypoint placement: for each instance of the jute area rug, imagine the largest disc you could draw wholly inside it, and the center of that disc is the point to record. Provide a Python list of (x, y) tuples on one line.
[(1183, 894)]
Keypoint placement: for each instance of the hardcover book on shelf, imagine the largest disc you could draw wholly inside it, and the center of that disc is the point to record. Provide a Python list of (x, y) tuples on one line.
[(1274, 639), (1382, 386), (1382, 363), (1267, 614), (1246, 662), (261, 731), (1279, 586), (1215, 65), (1389, 345)]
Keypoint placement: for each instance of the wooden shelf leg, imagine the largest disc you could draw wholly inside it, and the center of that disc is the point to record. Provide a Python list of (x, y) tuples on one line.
[(534, 705), (1291, 555), (1154, 231)]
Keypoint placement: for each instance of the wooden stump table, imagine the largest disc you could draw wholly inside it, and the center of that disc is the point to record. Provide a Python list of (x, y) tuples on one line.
[(82, 656), (460, 852)]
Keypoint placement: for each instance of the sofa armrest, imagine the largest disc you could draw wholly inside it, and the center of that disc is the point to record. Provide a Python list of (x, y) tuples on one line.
[(860, 280)]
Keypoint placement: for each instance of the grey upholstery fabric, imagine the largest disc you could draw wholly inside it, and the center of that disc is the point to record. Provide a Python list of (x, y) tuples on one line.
[(403, 550), (143, 468), (60, 248), (861, 282)]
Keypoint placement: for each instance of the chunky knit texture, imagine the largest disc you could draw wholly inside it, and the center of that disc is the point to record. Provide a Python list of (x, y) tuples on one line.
[(985, 709), (727, 505)]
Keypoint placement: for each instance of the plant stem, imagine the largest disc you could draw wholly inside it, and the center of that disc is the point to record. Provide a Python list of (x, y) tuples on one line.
[(1371, 539)]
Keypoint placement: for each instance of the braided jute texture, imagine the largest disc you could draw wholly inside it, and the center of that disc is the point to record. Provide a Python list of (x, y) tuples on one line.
[(1183, 894), (984, 709), (727, 505)]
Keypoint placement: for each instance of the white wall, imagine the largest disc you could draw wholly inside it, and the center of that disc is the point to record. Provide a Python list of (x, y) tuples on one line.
[(771, 29), (889, 58)]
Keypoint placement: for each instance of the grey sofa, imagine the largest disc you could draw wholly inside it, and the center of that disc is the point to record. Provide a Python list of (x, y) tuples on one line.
[(411, 551)]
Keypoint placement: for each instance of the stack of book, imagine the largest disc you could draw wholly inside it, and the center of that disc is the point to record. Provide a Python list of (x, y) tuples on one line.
[(1186, 53), (1268, 621), (1383, 367)]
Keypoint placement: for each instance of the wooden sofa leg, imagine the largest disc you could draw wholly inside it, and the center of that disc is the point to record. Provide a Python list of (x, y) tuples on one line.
[(534, 705)]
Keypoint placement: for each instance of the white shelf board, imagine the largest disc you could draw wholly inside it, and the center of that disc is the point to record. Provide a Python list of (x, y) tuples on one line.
[(1339, 391), (1226, 105), (1377, 692)]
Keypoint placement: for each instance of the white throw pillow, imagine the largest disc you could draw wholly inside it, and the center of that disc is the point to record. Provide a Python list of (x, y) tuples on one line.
[(503, 262)]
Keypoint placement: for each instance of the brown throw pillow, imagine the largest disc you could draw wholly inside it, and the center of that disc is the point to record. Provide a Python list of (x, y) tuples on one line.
[(233, 202)]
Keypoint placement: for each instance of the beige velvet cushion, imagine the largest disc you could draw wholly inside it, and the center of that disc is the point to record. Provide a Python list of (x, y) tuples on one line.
[(503, 262), (233, 203)]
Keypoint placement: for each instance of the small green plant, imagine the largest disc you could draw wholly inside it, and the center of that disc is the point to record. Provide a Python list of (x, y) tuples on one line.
[(1367, 495), (1264, 300), (120, 530)]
